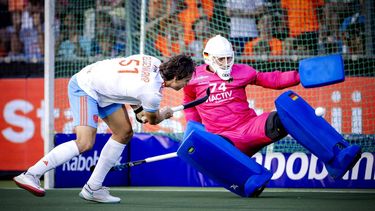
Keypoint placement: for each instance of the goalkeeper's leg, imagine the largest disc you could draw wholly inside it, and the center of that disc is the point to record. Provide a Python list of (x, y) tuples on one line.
[(316, 134), (221, 161)]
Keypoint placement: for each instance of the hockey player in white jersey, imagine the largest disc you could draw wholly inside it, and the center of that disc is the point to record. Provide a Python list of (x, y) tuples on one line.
[(101, 90)]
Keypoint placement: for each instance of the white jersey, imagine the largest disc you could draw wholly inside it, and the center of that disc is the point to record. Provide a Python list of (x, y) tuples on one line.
[(133, 80)]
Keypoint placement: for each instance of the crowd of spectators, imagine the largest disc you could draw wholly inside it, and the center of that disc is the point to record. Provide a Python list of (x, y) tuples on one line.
[(22, 29), (255, 27)]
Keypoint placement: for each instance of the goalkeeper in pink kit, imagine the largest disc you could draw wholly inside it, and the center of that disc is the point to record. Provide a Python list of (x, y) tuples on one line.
[(227, 111), (226, 117)]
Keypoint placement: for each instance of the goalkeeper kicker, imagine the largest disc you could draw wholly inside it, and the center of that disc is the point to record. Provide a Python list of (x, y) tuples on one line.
[(224, 132)]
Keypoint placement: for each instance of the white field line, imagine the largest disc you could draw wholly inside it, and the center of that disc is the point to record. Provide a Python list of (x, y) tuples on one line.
[(218, 189)]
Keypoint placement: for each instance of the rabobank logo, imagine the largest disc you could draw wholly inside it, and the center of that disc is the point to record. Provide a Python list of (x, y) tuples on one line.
[(303, 166), (82, 163)]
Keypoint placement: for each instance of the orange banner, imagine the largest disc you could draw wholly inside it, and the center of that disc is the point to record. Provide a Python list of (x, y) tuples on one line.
[(20, 141), (350, 109)]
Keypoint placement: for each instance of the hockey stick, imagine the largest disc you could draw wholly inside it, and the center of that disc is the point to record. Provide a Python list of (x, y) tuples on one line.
[(122, 166), (192, 103), (189, 104), (165, 156)]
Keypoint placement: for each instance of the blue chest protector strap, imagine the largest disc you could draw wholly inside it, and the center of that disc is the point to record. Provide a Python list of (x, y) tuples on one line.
[(222, 162), (316, 134)]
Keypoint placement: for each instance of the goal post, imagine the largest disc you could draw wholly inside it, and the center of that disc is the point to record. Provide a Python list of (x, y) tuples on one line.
[(49, 85)]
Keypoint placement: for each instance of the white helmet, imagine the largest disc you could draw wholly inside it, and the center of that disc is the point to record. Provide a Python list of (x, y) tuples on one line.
[(219, 55)]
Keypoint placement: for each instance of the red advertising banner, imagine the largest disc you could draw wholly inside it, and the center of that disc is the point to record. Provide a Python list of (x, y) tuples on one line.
[(350, 109), (21, 143)]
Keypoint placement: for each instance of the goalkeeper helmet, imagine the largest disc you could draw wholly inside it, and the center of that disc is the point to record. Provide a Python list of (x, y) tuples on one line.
[(219, 55)]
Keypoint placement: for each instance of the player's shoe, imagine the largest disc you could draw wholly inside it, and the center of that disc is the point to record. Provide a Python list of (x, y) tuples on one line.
[(101, 195), (30, 183)]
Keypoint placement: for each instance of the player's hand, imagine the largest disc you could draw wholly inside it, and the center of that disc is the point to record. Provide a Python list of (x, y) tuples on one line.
[(166, 112), (140, 115), (141, 118)]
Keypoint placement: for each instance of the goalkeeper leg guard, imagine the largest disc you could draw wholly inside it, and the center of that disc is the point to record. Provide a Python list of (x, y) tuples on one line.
[(316, 134), (222, 162)]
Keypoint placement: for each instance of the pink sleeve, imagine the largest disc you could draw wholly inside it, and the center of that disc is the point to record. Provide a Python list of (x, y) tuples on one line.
[(191, 113), (277, 79)]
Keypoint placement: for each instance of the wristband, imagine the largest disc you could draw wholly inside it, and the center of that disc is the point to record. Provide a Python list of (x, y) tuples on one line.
[(138, 110)]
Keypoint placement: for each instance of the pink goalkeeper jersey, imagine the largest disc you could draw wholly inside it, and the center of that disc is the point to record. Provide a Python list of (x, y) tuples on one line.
[(227, 111)]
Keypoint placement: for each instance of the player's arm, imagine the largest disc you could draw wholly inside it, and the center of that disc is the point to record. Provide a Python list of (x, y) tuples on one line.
[(152, 113), (190, 113), (154, 118), (277, 79)]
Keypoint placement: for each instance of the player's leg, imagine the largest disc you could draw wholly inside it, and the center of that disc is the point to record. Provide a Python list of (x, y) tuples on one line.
[(259, 132), (316, 134), (274, 128), (118, 121), (83, 109), (213, 156)]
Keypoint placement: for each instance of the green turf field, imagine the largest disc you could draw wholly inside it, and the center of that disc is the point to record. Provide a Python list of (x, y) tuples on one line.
[(178, 199)]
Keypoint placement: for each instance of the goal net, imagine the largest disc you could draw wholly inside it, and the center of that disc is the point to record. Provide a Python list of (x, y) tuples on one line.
[(268, 35)]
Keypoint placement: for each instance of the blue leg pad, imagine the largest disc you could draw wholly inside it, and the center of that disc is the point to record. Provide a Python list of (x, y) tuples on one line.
[(316, 134), (191, 126), (344, 161), (222, 162)]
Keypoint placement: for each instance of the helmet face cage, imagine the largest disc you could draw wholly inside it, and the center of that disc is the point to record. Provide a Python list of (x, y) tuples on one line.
[(219, 55), (222, 66)]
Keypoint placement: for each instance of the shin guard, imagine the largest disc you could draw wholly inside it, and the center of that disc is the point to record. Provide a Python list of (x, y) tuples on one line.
[(222, 162), (316, 134)]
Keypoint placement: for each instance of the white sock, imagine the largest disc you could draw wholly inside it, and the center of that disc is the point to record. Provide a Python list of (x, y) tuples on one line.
[(111, 152), (57, 156)]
